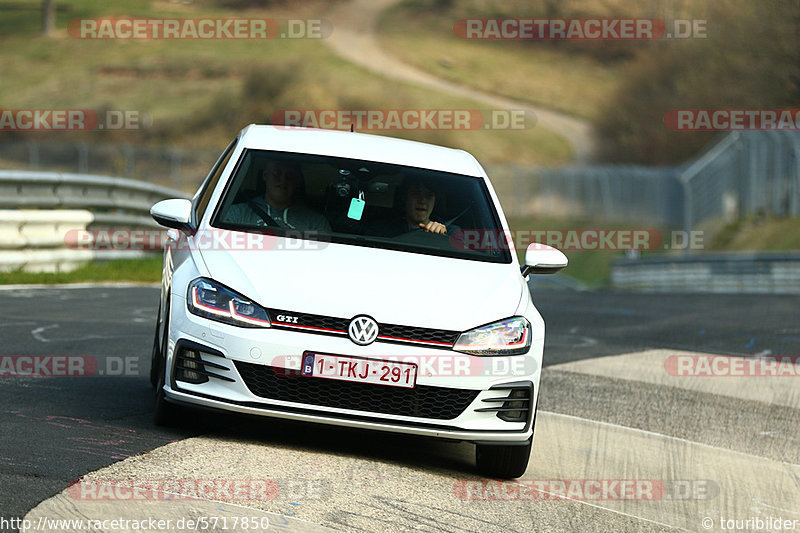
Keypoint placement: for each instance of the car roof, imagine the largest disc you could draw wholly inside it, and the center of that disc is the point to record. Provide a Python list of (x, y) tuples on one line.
[(359, 146)]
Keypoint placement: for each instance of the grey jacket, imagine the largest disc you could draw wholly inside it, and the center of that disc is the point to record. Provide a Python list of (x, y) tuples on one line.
[(297, 217)]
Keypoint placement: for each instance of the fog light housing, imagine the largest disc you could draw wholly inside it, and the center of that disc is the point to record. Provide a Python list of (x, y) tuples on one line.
[(521, 404), (515, 406), (189, 367)]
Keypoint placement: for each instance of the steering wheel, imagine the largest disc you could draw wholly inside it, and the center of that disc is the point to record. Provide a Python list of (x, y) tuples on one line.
[(423, 238)]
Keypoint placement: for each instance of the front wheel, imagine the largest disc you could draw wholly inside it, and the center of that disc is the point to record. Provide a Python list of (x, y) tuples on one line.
[(155, 358), (166, 414), (503, 461)]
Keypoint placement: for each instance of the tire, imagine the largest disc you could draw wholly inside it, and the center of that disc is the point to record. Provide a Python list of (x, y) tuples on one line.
[(502, 461), (155, 359), (166, 414)]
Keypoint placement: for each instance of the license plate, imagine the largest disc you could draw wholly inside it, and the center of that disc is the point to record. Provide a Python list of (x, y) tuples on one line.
[(358, 369)]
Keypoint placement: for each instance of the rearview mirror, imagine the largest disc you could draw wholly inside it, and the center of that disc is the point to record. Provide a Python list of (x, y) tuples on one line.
[(378, 187), (175, 213), (543, 259)]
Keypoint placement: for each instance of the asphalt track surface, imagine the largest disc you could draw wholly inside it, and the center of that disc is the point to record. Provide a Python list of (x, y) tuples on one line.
[(719, 449)]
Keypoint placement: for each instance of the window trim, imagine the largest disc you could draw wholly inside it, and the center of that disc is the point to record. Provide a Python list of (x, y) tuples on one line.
[(210, 183)]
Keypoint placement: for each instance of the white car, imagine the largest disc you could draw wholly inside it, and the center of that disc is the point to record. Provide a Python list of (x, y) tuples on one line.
[(355, 280)]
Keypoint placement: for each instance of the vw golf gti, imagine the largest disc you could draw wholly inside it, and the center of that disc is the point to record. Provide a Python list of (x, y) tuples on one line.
[(351, 279)]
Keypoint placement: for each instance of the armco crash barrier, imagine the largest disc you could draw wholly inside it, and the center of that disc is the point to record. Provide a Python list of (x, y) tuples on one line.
[(37, 210), (33, 240), (775, 272)]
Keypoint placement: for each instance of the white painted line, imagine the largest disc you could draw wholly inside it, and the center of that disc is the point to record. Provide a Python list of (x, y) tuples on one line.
[(663, 436), (37, 332), (572, 448), (100, 284), (600, 507)]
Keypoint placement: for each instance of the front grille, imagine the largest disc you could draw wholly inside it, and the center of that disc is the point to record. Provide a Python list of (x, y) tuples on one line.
[(327, 325), (422, 401)]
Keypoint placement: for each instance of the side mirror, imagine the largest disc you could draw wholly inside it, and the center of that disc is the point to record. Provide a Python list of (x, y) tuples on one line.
[(175, 213), (543, 259)]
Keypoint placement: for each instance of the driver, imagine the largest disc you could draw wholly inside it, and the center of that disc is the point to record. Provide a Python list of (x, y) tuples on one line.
[(282, 181), (418, 205)]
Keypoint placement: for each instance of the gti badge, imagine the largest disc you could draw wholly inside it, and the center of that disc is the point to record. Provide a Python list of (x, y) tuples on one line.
[(363, 330)]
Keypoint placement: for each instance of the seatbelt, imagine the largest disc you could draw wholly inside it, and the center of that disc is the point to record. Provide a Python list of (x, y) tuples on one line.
[(268, 220), (458, 215)]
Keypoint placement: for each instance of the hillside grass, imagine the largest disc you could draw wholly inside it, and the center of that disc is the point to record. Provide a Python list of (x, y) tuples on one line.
[(759, 234), (200, 93), (537, 73)]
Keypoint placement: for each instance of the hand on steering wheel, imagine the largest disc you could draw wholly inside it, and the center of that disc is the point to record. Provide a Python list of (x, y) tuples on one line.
[(434, 227)]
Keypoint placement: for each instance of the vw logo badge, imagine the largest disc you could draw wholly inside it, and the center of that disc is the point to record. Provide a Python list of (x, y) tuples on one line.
[(363, 330)]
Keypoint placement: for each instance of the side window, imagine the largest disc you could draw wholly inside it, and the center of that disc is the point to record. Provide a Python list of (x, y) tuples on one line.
[(212, 180)]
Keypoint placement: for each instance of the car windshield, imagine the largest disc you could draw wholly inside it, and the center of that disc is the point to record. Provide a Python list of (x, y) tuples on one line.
[(362, 203)]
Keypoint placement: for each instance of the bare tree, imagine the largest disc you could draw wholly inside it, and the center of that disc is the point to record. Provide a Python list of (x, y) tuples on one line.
[(48, 16)]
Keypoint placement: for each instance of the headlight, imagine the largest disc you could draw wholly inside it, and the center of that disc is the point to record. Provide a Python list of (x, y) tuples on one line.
[(209, 299), (511, 336)]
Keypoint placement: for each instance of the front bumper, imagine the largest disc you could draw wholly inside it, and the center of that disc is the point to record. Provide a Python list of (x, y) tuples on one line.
[(226, 349), (427, 430)]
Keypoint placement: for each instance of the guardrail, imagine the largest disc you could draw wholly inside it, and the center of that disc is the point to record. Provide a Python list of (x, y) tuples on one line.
[(39, 209), (739, 174), (731, 272), (178, 167), (647, 195), (744, 173)]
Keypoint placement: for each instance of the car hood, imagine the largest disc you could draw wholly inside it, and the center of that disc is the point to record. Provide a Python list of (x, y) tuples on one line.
[(391, 286)]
